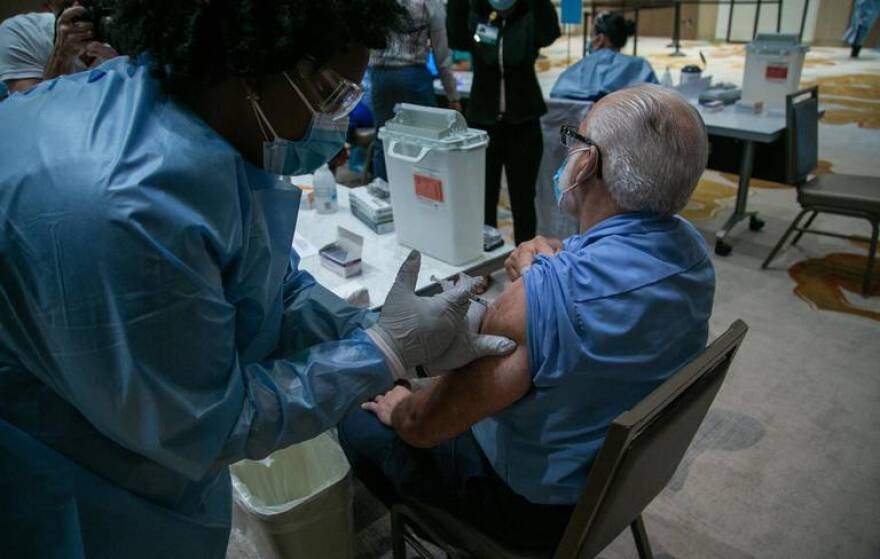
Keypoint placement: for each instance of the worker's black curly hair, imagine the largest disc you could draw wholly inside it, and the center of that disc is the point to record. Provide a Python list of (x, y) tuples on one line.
[(209, 40)]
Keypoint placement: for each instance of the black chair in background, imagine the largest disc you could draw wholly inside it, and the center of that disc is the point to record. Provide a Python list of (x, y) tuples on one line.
[(642, 450), (847, 195)]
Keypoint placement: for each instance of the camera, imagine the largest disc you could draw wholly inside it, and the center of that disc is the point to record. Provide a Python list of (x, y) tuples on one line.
[(101, 17)]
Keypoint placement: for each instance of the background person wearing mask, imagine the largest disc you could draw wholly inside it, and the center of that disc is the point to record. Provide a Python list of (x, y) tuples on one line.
[(605, 70), (41, 46), (601, 320), (399, 73), (154, 323), (504, 37)]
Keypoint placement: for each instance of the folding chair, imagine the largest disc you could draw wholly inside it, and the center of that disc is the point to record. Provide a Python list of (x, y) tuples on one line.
[(847, 195), (641, 452)]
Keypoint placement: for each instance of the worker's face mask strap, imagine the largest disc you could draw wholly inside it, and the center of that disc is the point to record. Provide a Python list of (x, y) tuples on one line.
[(324, 139), (302, 95), (563, 182)]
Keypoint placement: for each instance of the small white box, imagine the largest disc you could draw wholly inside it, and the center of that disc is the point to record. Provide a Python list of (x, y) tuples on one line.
[(343, 256)]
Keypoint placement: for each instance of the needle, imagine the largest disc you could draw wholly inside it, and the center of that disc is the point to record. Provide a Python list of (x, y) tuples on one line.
[(446, 284)]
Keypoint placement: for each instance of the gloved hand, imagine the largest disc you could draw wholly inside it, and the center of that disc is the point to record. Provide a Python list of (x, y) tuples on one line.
[(414, 330), (468, 344)]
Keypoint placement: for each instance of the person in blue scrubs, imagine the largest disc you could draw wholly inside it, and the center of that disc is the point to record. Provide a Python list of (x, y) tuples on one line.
[(154, 323), (602, 319), (605, 70), (864, 15)]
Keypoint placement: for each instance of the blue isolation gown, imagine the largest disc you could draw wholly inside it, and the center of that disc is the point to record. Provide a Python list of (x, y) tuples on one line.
[(603, 72), (154, 325), (864, 14)]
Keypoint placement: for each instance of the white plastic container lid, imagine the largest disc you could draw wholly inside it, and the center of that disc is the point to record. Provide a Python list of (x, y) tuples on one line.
[(432, 128)]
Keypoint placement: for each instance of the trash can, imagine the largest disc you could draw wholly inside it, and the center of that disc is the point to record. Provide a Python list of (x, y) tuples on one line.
[(774, 62), (298, 501), (437, 177)]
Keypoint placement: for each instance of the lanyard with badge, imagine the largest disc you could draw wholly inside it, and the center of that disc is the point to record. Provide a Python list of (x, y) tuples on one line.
[(487, 33)]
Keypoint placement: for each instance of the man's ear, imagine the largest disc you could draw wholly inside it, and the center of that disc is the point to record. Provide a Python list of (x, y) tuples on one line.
[(587, 165)]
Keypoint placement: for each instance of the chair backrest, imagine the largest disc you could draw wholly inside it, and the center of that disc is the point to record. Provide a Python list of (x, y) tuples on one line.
[(643, 448), (802, 142)]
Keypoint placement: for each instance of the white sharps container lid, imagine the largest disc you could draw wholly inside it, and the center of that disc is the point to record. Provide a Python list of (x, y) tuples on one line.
[(432, 127)]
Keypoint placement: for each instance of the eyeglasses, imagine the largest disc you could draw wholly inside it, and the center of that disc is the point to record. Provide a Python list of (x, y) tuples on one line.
[(570, 138), (324, 90)]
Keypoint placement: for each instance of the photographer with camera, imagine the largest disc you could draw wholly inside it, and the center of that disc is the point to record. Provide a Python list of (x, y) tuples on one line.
[(41, 46)]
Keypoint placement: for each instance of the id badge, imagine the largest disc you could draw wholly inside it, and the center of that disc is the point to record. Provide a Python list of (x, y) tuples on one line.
[(486, 34)]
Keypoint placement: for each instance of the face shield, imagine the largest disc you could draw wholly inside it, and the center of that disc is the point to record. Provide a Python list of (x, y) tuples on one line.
[(324, 90)]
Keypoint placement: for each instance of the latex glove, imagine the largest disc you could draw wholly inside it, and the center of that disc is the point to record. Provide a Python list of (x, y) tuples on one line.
[(469, 345), (414, 331)]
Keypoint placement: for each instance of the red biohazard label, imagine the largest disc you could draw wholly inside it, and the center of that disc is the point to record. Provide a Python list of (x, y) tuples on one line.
[(429, 188), (776, 72)]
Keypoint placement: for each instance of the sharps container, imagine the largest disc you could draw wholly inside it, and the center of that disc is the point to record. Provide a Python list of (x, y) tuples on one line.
[(436, 173), (297, 502), (774, 62)]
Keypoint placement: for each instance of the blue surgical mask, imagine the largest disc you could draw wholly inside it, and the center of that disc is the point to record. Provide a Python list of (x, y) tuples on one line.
[(324, 139), (562, 182)]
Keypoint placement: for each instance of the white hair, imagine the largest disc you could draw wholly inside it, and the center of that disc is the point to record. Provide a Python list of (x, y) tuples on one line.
[(653, 147)]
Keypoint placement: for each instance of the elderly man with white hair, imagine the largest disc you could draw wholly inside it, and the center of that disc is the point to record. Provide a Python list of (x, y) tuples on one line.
[(601, 319)]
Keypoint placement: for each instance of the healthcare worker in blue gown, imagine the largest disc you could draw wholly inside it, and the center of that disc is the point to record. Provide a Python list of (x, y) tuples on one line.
[(154, 324), (864, 15), (605, 70)]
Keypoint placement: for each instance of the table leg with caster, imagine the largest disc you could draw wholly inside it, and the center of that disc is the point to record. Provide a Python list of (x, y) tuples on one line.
[(723, 248)]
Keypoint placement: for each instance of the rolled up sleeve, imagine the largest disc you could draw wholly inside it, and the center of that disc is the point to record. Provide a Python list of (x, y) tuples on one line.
[(551, 323)]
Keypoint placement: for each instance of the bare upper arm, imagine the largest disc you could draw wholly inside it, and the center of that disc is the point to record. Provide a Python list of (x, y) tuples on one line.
[(483, 388), (507, 314), (17, 86)]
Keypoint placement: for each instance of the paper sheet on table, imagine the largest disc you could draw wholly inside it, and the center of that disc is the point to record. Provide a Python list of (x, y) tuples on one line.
[(303, 246)]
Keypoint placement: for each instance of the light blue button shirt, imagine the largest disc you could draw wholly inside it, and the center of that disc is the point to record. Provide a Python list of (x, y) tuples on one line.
[(622, 308), (603, 72)]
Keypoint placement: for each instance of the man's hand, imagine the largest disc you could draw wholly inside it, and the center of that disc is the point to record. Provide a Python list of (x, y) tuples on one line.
[(522, 257), (72, 37), (456, 106), (99, 53), (384, 405)]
